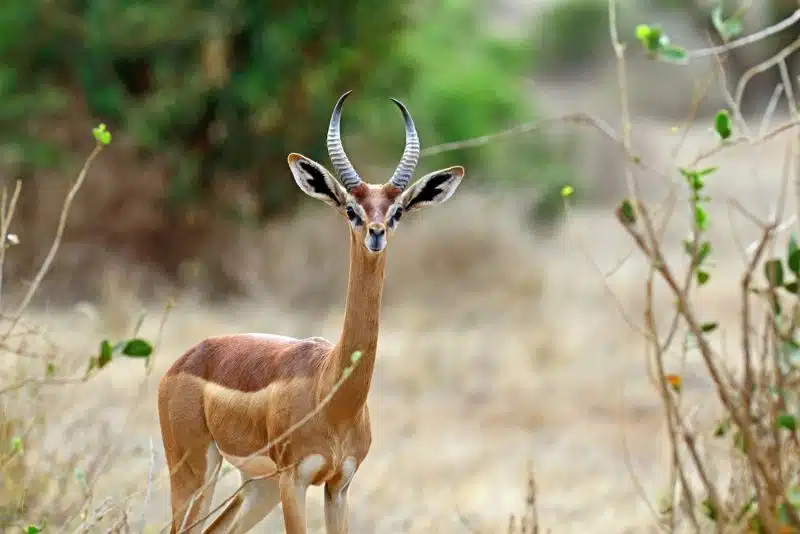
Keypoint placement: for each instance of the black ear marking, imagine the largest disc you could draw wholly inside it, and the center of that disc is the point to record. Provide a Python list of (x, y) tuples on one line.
[(317, 181), (431, 189)]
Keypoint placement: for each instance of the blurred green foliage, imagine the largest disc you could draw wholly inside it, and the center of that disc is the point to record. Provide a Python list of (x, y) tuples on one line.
[(229, 87), (573, 33)]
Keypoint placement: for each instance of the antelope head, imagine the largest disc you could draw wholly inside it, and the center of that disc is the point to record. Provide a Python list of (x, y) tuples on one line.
[(373, 211)]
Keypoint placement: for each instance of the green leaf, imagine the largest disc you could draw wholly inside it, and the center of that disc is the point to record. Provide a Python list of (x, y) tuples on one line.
[(786, 421), (137, 348), (625, 213), (702, 252), (702, 277), (567, 191), (727, 29), (673, 54), (793, 255), (701, 218), (773, 270), (777, 309), (106, 353), (709, 510), (699, 173), (722, 123), (50, 370), (33, 529), (651, 37), (722, 428), (791, 287), (101, 134), (709, 327), (642, 32), (16, 444), (695, 177)]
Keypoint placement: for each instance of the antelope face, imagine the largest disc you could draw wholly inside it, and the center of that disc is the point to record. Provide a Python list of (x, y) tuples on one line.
[(373, 211)]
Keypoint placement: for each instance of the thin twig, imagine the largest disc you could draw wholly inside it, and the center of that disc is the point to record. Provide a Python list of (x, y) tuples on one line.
[(749, 39), (526, 127), (6, 215), (62, 223), (763, 67)]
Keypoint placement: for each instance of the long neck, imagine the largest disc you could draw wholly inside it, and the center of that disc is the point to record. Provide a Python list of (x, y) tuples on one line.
[(359, 334)]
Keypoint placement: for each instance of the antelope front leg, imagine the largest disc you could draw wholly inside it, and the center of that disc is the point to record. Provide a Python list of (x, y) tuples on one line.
[(336, 510), (293, 502)]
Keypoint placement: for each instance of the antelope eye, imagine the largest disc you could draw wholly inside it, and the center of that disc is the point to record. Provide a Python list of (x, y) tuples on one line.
[(352, 215)]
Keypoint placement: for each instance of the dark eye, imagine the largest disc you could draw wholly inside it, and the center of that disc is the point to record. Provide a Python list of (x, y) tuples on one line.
[(352, 215)]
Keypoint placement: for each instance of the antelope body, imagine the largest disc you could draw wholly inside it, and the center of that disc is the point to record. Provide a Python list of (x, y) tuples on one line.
[(230, 396)]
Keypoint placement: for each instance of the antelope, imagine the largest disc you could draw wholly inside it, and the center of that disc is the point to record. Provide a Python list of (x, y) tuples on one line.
[(228, 396)]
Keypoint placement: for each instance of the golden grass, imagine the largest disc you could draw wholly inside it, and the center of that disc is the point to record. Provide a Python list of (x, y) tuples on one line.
[(498, 349)]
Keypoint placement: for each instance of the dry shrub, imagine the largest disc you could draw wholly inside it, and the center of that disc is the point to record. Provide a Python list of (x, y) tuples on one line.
[(734, 449), (48, 459), (740, 471)]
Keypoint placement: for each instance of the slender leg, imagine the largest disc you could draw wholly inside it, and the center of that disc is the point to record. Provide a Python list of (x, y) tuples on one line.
[(213, 464), (257, 500), (336, 519), (190, 487), (293, 502), (336, 510)]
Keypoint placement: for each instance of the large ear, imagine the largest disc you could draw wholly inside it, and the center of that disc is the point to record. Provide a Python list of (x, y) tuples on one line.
[(316, 181), (433, 188)]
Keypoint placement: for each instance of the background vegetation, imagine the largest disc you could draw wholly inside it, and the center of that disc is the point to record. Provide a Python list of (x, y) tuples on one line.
[(218, 100), (192, 199)]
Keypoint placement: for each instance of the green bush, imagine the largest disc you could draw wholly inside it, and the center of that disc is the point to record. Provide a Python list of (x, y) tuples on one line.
[(470, 84), (219, 89), (212, 86)]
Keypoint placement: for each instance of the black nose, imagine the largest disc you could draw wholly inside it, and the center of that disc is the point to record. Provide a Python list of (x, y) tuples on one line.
[(376, 230)]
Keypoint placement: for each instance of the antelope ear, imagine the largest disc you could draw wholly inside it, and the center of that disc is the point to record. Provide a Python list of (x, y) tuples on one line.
[(433, 188), (316, 181)]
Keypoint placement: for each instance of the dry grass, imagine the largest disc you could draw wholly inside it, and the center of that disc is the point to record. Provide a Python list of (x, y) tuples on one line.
[(497, 349)]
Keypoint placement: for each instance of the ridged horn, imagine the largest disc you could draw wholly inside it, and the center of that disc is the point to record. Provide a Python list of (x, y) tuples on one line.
[(341, 165), (410, 157)]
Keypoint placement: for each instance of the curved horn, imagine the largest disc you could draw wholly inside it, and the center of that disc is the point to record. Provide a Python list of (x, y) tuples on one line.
[(344, 169), (410, 157)]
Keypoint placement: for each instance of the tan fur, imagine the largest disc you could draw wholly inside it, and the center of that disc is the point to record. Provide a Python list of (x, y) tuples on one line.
[(242, 391), (234, 396)]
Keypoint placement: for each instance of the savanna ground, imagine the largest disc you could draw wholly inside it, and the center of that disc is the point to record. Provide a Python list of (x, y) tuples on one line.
[(501, 349)]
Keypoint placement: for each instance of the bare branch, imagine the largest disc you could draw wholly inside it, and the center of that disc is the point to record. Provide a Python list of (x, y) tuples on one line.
[(749, 39)]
